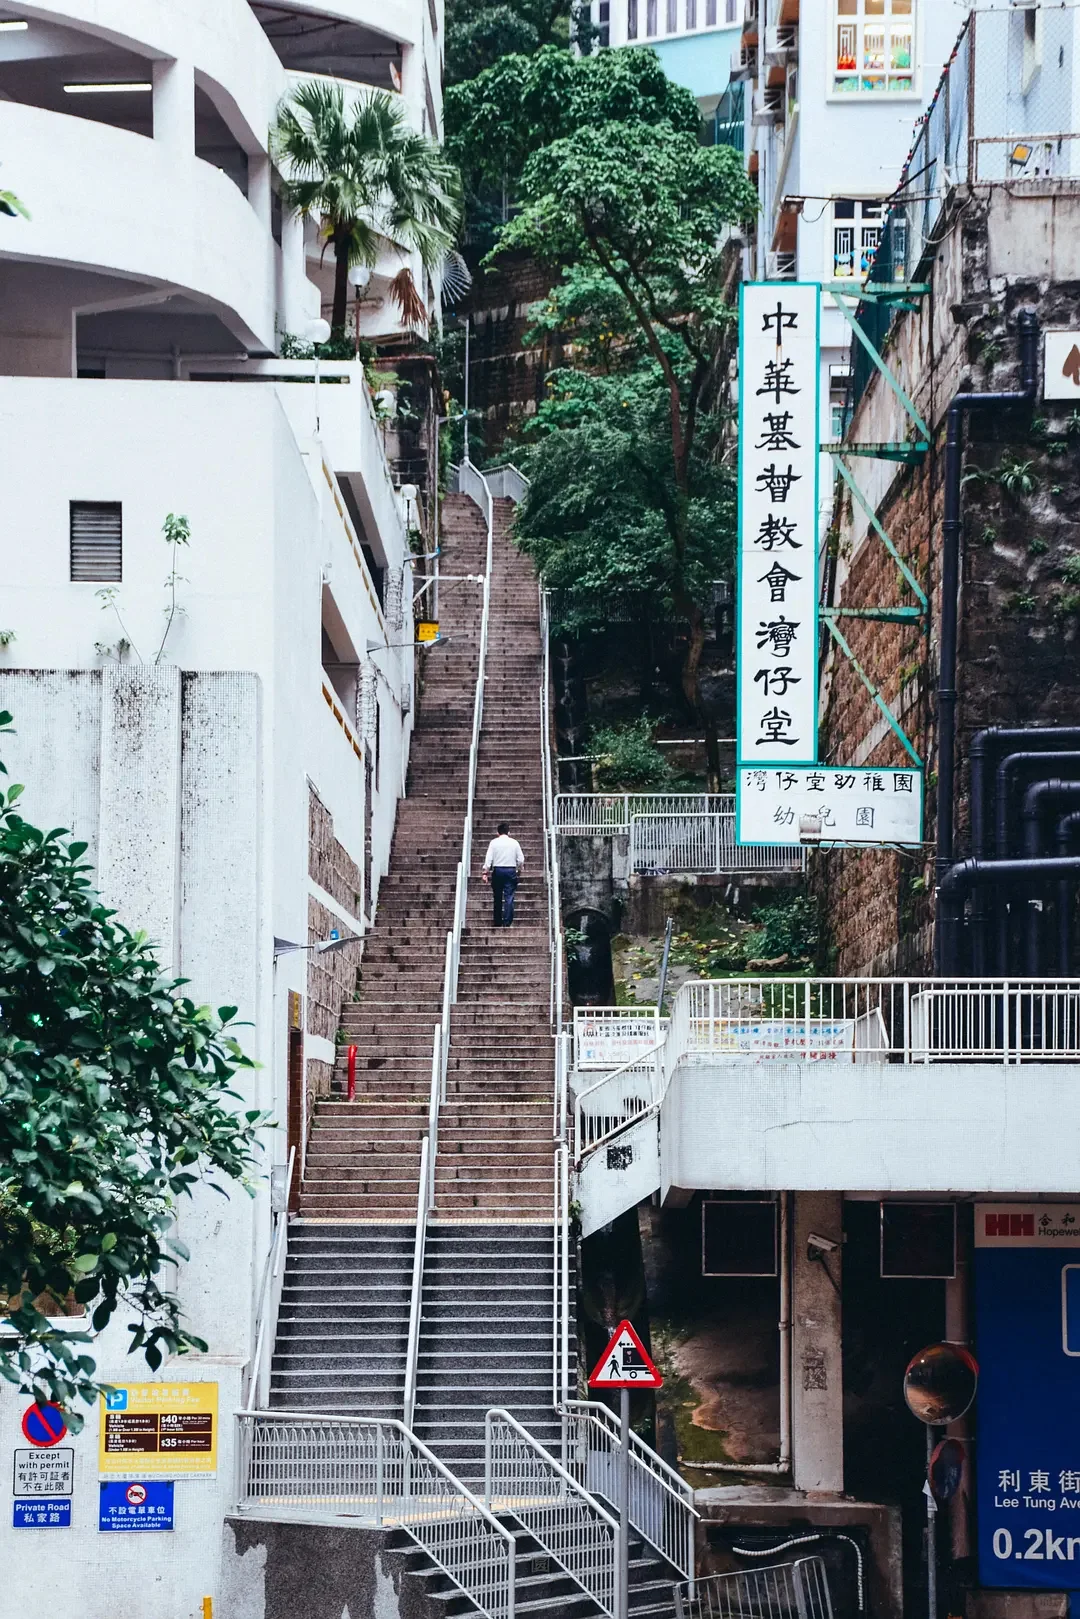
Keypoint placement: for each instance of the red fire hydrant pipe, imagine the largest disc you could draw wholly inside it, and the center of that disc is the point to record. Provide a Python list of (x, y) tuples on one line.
[(352, 1073)]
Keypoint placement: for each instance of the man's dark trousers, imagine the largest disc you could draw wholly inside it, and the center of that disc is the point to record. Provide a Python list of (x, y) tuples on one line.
[(504, 881)]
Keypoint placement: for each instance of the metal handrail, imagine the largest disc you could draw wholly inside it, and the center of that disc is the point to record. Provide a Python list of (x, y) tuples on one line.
[(423, 1200), (798, 1590), (373, 1471), (650, 1065), (661, 1502), (560, 1514), (275, 1256)]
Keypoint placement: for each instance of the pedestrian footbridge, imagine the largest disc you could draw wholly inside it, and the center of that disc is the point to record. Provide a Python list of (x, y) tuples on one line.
[(784, 1084)]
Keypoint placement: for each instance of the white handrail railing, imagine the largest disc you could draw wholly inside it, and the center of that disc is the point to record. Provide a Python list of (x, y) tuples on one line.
[(575, 1531), (372, 1471), (661, 1502), (267, 1306), (416, 1291), (620, 1099)]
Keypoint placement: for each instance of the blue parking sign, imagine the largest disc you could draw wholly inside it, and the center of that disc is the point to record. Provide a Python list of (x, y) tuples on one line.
[(131, 1505)]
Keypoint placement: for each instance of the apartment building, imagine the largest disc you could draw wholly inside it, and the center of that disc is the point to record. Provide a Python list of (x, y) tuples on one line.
[(694, 40), (225, 721), (832, 89)]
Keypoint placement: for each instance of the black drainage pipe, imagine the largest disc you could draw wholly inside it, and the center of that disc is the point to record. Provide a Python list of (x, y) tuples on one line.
[(990, 741), (1028, 329), (1037, 798), (1067, 829)]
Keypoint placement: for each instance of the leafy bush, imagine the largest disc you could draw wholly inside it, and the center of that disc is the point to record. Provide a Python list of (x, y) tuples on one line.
[(629, 760), (785, 927)]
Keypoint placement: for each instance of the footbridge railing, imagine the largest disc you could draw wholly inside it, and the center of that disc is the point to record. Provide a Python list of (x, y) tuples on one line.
[(661, 1503), (521, 1478), (373, 1472)]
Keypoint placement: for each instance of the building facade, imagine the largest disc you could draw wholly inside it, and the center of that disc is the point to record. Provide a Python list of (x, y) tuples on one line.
[(226, 721)]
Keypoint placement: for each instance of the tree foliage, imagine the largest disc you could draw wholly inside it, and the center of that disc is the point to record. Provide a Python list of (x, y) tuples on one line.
[(522, 103), (642, 212), (367, 178), (603, 504), (115, 1102), (480, 32)]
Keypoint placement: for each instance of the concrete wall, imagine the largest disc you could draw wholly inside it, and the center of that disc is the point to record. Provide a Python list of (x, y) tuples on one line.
[(314, 1571), (869, 1127)]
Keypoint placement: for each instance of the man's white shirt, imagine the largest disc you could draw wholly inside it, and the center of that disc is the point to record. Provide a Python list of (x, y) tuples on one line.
[(504, 851)]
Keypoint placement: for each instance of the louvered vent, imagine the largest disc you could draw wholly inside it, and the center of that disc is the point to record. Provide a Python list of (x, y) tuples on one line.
[(96, 540)]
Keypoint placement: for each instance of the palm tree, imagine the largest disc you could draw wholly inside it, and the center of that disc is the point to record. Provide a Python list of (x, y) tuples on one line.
[(366, 177)]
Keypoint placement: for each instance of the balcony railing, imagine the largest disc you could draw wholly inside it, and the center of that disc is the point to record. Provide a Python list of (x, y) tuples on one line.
[(994, 1021), (673, 833)]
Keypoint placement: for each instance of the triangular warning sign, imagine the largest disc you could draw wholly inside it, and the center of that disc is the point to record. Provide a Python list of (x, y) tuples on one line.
[(625, 1363)]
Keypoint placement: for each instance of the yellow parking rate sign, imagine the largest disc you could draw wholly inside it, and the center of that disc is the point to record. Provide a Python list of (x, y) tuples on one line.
[(159, 1430)]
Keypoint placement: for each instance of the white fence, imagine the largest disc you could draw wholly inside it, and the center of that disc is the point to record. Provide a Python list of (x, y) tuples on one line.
[(575, 1531), (682, 834), (375, 1473), (661, 1503), (611, 1036), (698, 845), (838, 1020), (797, 1590)]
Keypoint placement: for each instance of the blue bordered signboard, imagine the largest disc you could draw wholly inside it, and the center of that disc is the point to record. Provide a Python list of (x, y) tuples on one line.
[(779, 385), (823, 804), (131, 1505), (1027, 1339), (54, 1513)]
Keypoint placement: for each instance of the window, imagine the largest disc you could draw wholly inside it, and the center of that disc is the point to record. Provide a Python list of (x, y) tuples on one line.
[(710, 13), (672, 16), (874, 42), (631, 19), (691, 14), (96, 535), (604, 22), (856, 232), (650, 17), (1033, 47)]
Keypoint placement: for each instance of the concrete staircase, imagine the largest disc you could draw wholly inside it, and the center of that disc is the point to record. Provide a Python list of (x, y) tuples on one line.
[(363, 1159), (343, 1323), (487, 1317)]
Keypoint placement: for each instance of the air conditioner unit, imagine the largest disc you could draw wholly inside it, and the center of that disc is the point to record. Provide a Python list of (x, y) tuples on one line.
[(781, 266), (744, 62), (768, 105), (781, 45)]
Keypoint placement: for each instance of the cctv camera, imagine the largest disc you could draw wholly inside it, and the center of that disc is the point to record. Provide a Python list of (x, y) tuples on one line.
[(817, 1245)]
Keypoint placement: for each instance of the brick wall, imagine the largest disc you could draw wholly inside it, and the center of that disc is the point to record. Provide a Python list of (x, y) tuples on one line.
[(1019, 615), (331, 977), (506, 377)]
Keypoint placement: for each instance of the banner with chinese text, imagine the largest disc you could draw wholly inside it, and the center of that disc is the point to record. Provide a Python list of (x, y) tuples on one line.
[(828, 804), (776, 639)]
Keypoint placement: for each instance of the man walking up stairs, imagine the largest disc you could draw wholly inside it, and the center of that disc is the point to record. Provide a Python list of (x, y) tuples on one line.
[(343, 1322)]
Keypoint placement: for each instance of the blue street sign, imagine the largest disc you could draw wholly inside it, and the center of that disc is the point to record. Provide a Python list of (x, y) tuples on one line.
[(1027, 1314), (48, 1514), (116, 1400), (134, 1504)]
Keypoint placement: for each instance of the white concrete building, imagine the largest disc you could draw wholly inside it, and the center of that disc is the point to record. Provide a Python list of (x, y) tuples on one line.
[(236, 774), (829, 116)]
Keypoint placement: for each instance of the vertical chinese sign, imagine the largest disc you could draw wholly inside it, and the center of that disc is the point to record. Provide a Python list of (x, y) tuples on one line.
[(778, 523)]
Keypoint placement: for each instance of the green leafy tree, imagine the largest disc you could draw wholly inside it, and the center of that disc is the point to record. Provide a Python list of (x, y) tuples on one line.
[(366, 177), (115, 1102), (480, 32), (603, 502), (646, 209), (521, 103)]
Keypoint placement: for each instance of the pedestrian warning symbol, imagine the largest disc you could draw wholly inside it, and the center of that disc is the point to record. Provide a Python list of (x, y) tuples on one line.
[(625, 1363)]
